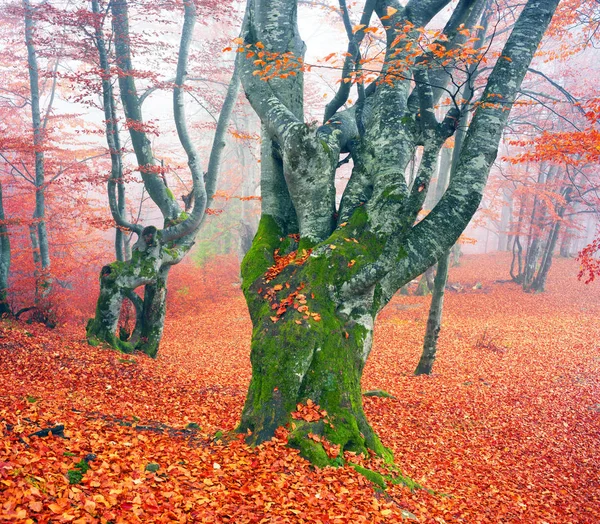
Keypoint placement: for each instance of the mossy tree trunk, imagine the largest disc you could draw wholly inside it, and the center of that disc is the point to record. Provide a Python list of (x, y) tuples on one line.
[(309, 345), (148, 267), (319, 272), (153, 313)]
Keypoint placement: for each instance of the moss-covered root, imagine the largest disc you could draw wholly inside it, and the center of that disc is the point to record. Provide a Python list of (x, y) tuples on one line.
[(323, 442), (97, 334), (307, 367)]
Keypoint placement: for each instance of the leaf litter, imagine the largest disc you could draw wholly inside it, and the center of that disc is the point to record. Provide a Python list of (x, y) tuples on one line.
[(506, 435)]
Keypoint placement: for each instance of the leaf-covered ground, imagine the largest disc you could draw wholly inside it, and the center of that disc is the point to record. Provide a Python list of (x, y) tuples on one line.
[(506, 430)]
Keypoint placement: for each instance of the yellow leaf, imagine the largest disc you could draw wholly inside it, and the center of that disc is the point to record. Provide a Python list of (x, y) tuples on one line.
[(35, 505), (90, 506), (358, 27)]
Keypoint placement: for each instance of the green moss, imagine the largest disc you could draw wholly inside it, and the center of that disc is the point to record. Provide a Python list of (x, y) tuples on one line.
[(376, 478), (260, 256), (169, 193), (295, 358), (75, 476), (378, 393), (394, 477), (310, 450)]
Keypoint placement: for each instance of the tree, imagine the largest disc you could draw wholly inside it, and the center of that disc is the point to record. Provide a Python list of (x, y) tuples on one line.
[(43, 159), (156, 251), (318, 273), (4, 261), (38, 232)]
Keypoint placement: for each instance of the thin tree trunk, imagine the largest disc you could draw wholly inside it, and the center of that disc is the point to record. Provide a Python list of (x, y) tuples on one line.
[(4, 261), (534, 248), (434, 320), (425, 286), (436, 308), (38, 144), (505, 218), (539, 282)]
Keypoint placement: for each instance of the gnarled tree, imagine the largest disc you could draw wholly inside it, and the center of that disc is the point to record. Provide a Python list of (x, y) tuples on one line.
[(156, 251), (318, 273)]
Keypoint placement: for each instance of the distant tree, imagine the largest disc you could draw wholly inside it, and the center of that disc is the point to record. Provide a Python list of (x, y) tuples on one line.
[(4, 260)]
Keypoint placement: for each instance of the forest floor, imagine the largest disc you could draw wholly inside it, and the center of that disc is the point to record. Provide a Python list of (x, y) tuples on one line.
[(507, 429)]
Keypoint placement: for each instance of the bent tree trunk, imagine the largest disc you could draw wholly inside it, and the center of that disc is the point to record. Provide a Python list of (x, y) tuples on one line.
[(118, 281), (309, 346), (155, 251)]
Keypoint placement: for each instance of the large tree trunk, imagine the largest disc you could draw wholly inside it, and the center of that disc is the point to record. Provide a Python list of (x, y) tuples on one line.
[(313, 311), (307, 348)]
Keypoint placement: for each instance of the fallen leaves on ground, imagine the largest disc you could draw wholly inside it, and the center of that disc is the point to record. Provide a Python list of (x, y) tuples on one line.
[(496, 436)]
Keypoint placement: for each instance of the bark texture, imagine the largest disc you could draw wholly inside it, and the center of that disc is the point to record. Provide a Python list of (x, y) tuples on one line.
[(38, 231)]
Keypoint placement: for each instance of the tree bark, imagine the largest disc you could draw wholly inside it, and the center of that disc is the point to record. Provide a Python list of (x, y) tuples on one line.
[(39, 215), (308, 346), (313, 295), (539, 283), (434, 320), (4, 261)]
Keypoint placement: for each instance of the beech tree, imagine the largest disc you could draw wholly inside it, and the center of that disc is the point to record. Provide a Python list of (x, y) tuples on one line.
[(318, 272), (156, 250)]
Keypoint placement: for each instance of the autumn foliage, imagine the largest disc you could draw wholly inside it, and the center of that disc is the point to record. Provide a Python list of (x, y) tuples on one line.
[(506, 430)]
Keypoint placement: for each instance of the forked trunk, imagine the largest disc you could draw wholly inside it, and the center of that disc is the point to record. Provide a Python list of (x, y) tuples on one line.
[(149, 267)]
